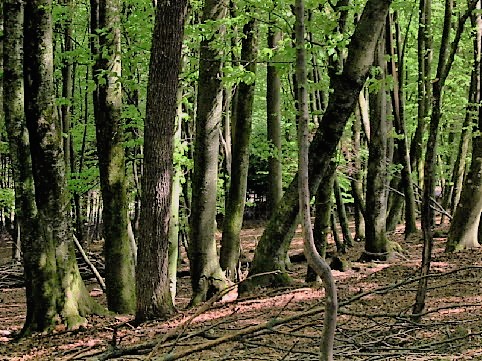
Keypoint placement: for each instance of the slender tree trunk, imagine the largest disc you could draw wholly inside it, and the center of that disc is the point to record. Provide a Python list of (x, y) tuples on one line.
[(271, 251), (119, 264), (206, 275), (376, 242), (314, 260), (273, 103), (425, 50), (357, 181), (233, 220), (58, 293), (153, 292)]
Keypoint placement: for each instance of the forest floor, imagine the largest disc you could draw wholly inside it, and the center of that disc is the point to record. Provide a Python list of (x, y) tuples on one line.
[(374, 320)]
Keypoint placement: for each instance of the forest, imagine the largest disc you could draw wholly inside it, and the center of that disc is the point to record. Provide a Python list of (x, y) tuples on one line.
[(240, 180)]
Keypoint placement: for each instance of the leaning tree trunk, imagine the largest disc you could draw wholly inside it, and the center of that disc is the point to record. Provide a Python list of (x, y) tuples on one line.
[(270, 254), (233, 219), (206, 275), (153, 291), (58, 292)]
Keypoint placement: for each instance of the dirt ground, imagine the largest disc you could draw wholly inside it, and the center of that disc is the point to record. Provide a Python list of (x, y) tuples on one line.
[(374, 320)]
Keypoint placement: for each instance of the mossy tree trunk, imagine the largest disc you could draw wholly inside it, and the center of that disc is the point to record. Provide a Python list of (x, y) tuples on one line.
[(119, 263), (153, 292), (233, 220), (270, 254), (206, 275), (57, 292)]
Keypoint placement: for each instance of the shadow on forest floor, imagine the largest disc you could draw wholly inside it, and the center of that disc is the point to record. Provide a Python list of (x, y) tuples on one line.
[(285, 324)]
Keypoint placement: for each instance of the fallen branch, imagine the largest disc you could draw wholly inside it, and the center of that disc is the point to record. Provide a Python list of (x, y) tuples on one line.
[(90, 264)]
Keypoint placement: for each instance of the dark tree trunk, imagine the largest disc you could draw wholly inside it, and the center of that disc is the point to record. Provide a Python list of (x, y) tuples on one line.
[(340, 208), (153, 293), (271, 251)]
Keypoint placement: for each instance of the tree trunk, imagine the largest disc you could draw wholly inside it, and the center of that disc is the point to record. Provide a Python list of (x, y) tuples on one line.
[(271, 251), (56, 292), (425, 50), (206, 275), (321, 228), (313, 257), (376, 197), (233, 219), (153, 292), (357, 181), (340, 208), (273, 102), (119, 264)]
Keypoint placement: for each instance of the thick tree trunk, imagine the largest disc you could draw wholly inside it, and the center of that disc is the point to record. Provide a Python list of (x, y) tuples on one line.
[(58, 292), (153, 292), (206, 275), (119, 264), (233, 219), (271, 251)]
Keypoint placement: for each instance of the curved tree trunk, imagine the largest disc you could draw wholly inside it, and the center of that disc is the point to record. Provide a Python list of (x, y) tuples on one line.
[(270, 254), (119, 263), (314, 260), (206, 275), (233, 219), (153, 292)]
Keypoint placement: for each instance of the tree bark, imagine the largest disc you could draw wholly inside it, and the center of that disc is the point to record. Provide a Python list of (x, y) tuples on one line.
[(153, 292), (206, 275), (271, 251)]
